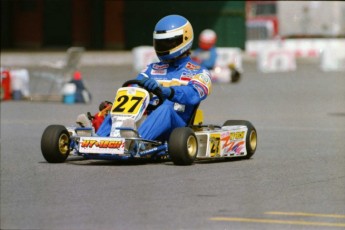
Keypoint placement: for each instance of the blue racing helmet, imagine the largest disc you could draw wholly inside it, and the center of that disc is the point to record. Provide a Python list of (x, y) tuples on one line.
[(172, 37)]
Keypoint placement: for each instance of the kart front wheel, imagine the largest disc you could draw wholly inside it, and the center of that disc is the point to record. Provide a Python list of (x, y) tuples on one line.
[(183, 146), (55, 143), (251, 138)]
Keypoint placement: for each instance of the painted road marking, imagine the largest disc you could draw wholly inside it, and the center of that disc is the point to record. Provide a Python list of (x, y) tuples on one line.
[(305, 214), (271, 221)]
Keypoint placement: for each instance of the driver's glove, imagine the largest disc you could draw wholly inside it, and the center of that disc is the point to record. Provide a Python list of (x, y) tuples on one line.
[(167, 92), (149, 83)]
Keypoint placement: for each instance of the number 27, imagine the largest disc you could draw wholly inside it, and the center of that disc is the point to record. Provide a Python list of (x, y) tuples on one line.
[(122, 103)]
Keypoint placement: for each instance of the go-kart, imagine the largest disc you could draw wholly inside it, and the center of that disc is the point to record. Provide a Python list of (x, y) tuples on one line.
[(227, 67), (225, 74), (196, 141)]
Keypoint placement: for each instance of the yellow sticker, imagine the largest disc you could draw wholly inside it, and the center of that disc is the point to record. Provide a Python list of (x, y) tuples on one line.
[(237, 135), (214, 145), (128, 101)]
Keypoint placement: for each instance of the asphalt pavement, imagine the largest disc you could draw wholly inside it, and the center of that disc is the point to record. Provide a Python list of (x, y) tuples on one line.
[(295, 180)]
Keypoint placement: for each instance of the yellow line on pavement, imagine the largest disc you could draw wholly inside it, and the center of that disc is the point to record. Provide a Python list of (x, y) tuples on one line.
[(271, 221), (305, 214)]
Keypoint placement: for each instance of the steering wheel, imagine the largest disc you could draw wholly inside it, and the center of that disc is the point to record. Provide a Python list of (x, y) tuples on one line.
[(157, 91)]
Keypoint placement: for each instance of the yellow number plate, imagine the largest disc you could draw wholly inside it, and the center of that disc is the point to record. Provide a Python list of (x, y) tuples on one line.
[(128, 101)]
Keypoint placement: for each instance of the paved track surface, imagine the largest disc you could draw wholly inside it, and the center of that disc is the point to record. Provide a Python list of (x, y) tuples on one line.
[(296, 179)]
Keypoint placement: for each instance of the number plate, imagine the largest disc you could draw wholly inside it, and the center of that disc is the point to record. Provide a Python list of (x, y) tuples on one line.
[(129, 101)]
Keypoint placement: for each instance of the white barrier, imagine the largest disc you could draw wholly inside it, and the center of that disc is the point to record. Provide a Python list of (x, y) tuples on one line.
[(305, 48), (144, 55), (227, 56), (276, 60), (331, 52), (20, 82), (333, 57)]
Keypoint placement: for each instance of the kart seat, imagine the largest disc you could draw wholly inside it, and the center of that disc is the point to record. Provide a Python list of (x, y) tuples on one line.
[(197, 118)]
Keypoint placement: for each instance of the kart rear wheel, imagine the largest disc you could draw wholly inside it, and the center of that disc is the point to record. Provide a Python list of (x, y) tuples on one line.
[(55, 143), (251, 138), (183, 146)]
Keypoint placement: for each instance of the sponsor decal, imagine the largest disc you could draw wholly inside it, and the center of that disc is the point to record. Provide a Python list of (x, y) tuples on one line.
[(233, 143), (200, 90), (203, 78), (162, 66), (233, 135), (159, 71), (186, 76), (102, 145), (238, 148), (237, 135), (204, 81), (191, 66)]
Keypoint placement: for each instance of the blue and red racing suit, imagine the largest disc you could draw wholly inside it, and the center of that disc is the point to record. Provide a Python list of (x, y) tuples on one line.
[(206, 58), (190, 84)]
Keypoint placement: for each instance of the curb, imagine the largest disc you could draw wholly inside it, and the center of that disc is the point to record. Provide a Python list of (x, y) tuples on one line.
[(13, 59)]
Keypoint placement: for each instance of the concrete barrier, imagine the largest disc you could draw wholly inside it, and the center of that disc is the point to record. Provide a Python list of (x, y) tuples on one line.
[(89, 58), (303, 48)]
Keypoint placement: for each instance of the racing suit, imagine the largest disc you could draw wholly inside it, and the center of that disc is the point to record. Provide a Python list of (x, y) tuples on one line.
[(190, 84)]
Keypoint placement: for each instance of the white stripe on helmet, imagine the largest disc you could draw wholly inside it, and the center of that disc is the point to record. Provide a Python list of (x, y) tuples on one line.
[(168, 34)]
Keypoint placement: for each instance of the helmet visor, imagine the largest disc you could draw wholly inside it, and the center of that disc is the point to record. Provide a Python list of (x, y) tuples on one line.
[(163, 46)]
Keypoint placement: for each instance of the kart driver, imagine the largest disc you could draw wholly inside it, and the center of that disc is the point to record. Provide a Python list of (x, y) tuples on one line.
[(185, 83), (206, 53)]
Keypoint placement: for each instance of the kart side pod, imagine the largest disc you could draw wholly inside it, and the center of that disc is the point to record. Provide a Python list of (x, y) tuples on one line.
[(234, 139)]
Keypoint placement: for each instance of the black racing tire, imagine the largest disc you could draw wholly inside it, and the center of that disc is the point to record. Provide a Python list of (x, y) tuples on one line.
[(183, 146), (55, 144), (251, 138), (235, 76)]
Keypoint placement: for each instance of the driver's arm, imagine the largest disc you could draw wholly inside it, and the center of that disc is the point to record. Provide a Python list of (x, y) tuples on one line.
[(198, 88)]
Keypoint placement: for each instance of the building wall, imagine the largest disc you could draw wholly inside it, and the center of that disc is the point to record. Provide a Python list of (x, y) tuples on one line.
[(227, 18), (114, 32), (57, 23), (81, 23), (111, 24), (312, 18), (26, 23)]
